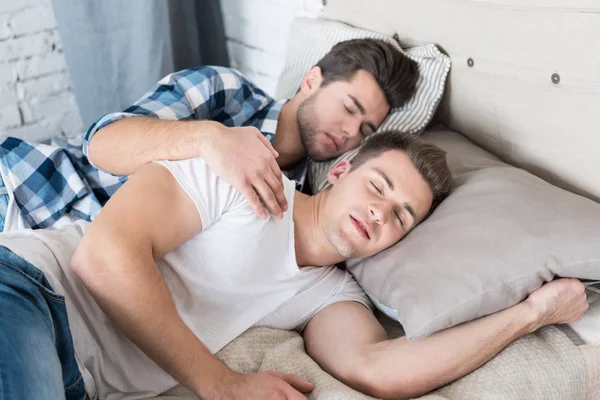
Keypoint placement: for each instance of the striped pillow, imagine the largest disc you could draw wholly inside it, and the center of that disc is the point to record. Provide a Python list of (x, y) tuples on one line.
[(311, 39)]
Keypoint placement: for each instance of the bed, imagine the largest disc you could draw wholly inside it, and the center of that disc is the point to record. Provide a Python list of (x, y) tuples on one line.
[(524, 85)]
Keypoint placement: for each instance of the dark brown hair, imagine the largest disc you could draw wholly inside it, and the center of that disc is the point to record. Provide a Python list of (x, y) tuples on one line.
[(395, 73), (429, 159)]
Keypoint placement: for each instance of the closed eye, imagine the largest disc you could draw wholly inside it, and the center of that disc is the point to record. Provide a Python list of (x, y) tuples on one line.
[(349, 111), (366, 130), (376, 188), (395, 211), (399, 218)]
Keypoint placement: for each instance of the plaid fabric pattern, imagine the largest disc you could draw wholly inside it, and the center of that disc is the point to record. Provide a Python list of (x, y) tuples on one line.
[(50, 180)]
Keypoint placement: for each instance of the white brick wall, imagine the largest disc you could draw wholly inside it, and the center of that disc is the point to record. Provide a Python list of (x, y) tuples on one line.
[(257, 32), (36, 100)]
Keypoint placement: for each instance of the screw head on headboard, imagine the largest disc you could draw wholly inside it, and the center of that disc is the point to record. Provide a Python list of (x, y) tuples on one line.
[(555, 78)]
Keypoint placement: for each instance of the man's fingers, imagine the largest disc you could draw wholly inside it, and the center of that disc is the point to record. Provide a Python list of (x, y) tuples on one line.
[(297, 383), (267, 144), (277, 187), (293, 394), (268, 197), (252, 198), (280, 195)]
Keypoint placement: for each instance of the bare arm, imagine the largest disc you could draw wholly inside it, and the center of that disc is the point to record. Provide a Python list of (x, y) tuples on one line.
[(116, 262), (148, 217), (124, 146), (346, 334), (241, 156)]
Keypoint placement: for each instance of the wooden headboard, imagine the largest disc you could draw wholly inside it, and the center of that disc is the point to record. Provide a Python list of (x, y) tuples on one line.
[(525, 78)]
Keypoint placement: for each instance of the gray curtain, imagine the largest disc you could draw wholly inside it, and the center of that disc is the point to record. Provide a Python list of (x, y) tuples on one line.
[(116, 49)]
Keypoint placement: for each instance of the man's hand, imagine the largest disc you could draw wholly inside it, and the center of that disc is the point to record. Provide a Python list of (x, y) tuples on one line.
[(270, 385), (246, 160), (558, 302)]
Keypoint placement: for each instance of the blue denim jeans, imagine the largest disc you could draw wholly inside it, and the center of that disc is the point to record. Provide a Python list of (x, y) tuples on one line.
[(37, 359)]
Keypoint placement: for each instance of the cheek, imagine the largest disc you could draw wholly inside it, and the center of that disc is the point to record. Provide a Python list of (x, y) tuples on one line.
[(391, 235), (354, 142), (330, 111)]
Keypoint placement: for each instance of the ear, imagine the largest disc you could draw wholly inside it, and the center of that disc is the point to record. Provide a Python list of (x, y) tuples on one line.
[(339, 171), (311, 82)]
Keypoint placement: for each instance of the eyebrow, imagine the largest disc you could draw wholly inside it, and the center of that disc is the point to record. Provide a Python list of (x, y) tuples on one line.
[(385, 177), (358, 105), (387, 180), (362, 111), (410, 210)]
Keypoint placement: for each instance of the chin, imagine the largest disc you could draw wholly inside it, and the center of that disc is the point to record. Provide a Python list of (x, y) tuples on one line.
[(347, 251), (348, 255), (344, 249)]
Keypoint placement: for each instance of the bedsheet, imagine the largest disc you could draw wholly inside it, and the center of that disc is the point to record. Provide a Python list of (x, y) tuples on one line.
[(545, 365)]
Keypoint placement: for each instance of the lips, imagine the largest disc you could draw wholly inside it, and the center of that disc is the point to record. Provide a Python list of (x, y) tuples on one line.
[(361, 228), (335, 143)]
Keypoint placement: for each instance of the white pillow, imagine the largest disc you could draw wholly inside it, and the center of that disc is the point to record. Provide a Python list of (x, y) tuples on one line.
[(311, 39)]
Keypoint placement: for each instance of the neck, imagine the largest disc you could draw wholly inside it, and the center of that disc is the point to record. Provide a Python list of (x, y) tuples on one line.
[(311, 244), (287, 140)]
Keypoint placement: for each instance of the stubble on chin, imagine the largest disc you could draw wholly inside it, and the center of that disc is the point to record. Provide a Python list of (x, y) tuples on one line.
[(340, 244)]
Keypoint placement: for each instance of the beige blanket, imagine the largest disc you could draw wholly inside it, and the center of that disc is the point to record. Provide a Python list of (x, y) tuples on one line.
[(545, 365)]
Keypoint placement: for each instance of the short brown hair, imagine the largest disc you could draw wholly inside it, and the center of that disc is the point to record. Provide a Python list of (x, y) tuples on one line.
[(395, 73), (429, 159)]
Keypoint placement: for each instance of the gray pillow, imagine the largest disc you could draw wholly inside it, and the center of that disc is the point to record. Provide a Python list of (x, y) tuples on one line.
[(500, 235)]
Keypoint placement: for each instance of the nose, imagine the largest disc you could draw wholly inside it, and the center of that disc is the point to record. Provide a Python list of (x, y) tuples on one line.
[(352, 129), (381, 211), (377, 213)]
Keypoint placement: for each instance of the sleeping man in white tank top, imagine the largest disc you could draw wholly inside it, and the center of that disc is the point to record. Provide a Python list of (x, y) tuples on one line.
[(177, 265)]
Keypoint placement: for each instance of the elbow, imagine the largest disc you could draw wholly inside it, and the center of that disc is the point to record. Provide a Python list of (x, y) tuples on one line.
[(101, 262), (99, 147), (80, 261), (88, 264), (393, 385)]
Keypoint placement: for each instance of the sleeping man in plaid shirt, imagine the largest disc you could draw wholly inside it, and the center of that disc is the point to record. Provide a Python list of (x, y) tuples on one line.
[(214, 113)]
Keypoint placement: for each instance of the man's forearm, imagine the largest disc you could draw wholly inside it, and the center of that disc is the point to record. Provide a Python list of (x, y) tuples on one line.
[(128, 144), (137, 300), (412, 368)]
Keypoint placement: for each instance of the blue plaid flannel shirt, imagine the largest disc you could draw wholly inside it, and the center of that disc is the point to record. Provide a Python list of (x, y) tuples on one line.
[(50, 180)]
